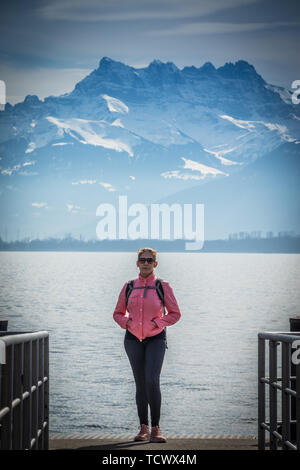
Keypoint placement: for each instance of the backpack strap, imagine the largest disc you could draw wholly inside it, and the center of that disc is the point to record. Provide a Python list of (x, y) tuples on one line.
[(158, 287), (160, 292), (129, 288)]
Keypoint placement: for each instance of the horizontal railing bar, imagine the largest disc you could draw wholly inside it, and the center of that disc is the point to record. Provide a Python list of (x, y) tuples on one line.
[(7, 409), (279, 423), (276, 434), (265, 426), (40, 382), (279, 387), (290, 445), (276, 385), (284, 336), (272, 384), (4, 412), (15, 402), (24, 337), (291, 392), (33, 440), (279, 379)]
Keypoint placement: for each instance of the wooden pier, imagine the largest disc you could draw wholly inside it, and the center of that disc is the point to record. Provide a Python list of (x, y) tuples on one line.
[(173, 443)]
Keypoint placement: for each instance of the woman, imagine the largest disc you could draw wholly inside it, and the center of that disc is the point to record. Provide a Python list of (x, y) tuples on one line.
[(145, 339)]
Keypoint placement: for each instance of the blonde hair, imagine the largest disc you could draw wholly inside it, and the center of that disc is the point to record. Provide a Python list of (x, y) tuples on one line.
[(142, 250)]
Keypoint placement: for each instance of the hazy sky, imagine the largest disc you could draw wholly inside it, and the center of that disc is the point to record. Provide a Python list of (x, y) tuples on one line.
[(47, 46)]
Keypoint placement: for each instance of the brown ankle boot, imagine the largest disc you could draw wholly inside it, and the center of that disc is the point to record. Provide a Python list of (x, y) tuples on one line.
[(156, 435), (144, 433)]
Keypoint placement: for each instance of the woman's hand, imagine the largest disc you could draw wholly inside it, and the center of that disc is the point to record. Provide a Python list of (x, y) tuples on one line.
[(128, 321)]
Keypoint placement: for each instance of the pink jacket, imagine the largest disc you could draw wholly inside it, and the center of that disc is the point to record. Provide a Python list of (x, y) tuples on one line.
[(142, 310)]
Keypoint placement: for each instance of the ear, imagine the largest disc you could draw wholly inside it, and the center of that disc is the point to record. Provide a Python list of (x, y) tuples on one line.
[(155, 263)]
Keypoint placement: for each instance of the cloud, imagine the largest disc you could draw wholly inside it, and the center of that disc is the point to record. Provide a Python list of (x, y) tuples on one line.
[(200, 27), (13, 188), (62, 143), (31, 147), (32, 162), (10, 171), (84, 182), (28, 173), (108, 186), (40, 205), (72, 208), (118, 10)]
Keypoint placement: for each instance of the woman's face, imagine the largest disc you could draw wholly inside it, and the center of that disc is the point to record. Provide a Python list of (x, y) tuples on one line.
[(146, 267)]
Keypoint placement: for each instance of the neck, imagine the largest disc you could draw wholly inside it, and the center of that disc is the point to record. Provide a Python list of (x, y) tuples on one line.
[(146, 275)]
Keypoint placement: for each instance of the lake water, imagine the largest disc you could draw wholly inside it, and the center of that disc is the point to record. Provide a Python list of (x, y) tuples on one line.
[(209, 375)]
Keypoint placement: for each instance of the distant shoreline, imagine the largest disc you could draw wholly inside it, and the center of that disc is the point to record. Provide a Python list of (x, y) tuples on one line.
[(284, 244)]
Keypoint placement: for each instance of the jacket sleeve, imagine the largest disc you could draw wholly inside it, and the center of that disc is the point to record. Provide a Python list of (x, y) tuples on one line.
[(120, 310), (172, 308)]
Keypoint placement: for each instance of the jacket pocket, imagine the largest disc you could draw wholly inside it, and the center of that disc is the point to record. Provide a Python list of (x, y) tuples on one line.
[(132, 324), (132, 304)]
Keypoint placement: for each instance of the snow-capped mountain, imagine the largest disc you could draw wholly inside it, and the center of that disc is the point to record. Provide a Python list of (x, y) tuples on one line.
[(152, 133)]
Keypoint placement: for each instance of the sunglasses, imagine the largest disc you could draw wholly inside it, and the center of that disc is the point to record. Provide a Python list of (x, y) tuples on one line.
[(149, 260)]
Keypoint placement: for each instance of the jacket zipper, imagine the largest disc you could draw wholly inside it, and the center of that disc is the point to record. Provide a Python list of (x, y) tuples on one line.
[(142, 316), (142, 321)]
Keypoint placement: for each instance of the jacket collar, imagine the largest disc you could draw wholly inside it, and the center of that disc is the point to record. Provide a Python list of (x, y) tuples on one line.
[(149, 279)]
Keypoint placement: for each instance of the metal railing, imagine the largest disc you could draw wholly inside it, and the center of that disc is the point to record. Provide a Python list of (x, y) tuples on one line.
[(288, 385), (24, 390)]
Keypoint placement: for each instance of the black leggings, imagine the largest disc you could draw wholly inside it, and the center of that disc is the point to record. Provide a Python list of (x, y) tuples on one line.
[(146, 359)]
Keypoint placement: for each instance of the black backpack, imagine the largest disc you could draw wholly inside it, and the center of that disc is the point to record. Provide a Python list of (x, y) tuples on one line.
[(158, 286)]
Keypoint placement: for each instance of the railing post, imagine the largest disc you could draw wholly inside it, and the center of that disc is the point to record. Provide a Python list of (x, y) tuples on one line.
[(41, 394), (27, 408), (261, 393), (298, 405), (7, 397), (273, 392), (35, 394), (46, 393), (286, 402), (17, 412), (294, 327)]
